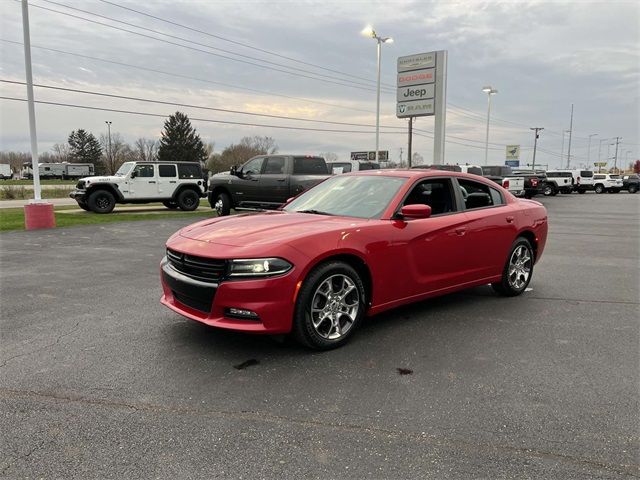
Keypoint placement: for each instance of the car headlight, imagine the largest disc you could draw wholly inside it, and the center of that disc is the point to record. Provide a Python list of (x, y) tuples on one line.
[(259, 267)]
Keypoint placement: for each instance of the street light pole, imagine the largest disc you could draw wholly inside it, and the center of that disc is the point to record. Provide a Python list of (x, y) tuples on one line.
[(535, 145), (570, 135), (589, 147), (109, 141), (370, 32), (489, 90)]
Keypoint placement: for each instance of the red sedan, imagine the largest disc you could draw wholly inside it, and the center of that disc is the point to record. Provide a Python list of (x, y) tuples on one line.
[(352, 246)]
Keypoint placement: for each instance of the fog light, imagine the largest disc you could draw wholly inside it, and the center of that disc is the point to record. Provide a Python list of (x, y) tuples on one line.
[(240, 313)]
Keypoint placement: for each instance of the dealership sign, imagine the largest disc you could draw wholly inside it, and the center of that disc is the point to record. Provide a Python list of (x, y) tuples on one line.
[(513, 152), (370, 156), (415, 62), (415, 109), (418, 92)]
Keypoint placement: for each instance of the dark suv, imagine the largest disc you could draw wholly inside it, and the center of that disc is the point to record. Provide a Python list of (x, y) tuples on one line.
[(631, 183)]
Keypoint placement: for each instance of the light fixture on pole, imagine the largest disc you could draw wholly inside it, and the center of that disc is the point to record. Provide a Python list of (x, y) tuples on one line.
[(489, 90), (368, 31), (589, 147)]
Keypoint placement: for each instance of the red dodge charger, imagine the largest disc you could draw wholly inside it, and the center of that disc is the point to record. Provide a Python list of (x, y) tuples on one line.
[(353, 245)]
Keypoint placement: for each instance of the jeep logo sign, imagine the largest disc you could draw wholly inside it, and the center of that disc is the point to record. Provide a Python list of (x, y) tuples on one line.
[(417, 92)]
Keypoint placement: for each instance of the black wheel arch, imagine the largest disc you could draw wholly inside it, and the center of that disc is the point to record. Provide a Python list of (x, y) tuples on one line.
[(217, 190), (110, 187), (531, 237), (186, 186)]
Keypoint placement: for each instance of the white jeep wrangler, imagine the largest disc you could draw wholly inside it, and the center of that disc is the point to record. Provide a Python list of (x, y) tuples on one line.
[(175, 184)]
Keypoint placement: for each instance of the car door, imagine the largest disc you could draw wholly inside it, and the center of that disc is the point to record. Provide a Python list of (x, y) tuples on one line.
[(246, 186), (491, 228), (274, 182), (167, 180), (432, 251), (143, 183)]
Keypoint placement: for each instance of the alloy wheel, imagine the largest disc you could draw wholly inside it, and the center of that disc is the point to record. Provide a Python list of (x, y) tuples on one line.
[(520, 265), (218, 206), (335, 306)]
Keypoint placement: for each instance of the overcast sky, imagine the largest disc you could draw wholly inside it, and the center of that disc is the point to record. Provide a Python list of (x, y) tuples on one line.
[(540, 56)]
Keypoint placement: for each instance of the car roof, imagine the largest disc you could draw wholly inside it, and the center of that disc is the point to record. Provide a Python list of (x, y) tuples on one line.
[(412, 173)]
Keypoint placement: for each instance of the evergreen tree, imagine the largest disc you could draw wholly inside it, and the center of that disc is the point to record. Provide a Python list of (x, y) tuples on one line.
[(180, 142), (84, 147)]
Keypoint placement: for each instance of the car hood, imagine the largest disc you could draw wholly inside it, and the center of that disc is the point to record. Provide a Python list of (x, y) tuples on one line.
[(105, 179), (265, 228)]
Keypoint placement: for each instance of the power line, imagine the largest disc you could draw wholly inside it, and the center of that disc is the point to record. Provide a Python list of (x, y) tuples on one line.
[(177, 75), (220, 37), (371, 83), (198, 49), (239, 112)]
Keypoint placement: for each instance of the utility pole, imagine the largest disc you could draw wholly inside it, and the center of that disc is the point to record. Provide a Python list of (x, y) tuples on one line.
[(410, 138), (615, 161), (562, 148), (400, 157), (535, 144), (570, 134), (109, 137), (589, 147)]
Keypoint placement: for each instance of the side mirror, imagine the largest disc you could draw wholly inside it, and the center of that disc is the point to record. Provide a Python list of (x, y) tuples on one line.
[(234, 170), (419, 210), (134, 174)]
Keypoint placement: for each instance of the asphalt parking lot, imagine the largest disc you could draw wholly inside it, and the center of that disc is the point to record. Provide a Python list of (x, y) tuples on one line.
[(98, 380)]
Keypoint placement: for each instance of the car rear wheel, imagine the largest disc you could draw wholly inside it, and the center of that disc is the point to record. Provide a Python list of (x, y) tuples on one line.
[(518, 269), (188, 200), (101, 201), (222, 204), (633, 189), (599, 188), (548, 190), (170, 205), (329, 307)]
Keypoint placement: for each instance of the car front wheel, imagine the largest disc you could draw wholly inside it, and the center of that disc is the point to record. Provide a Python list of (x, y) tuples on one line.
[(101, 201), (599, 189), (633, 189), (518, 269), (548, 190), (222, 204), (329, 307), (188, 200)]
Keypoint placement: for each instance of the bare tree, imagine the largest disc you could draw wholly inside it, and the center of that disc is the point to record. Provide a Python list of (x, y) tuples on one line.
[(146, 149), (262, 145), (62, 152), (115, 156), (15, 159)]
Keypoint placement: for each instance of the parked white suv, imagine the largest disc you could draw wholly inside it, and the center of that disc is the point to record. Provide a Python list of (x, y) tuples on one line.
[(175, 184), (558, 181), (605, 182)]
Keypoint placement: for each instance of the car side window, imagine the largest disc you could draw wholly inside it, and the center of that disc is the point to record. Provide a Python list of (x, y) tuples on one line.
[(167, 170), (476, 194), (436, 193), (145, 171), (274, 166), (496, 196), (253, 167)]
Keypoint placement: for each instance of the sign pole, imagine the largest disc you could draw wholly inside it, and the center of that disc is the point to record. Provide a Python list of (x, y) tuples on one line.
[(410, 139), (440, 107), (32, 113)]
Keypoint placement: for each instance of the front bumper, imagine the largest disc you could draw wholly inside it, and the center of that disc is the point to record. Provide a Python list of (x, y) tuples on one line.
[(272, 299), (78, 194)]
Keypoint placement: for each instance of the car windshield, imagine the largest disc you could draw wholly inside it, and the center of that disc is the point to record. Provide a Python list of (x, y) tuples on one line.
[(349, 196), (124, 169)]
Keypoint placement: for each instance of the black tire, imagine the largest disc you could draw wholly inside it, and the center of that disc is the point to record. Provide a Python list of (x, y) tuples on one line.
[(188, 200), (599, 188), (170, 205), (581, 191), (222, 204), (83, 205), (633, 189), (548, 190), (510, 286), (615, 190), (101, 201), (346, 312)]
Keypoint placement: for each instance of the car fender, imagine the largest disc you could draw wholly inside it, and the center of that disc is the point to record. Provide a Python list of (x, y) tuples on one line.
[(111, 187)]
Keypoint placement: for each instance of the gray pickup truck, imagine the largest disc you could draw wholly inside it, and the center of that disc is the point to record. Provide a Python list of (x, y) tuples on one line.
[(265, 182)]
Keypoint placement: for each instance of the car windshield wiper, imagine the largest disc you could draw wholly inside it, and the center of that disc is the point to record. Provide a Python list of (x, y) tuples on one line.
[(315, 212)]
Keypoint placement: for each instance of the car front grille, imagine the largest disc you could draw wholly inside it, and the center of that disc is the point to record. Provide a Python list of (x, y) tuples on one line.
[(209, 270)]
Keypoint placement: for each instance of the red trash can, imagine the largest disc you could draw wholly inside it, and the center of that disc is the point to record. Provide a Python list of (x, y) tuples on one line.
[(39, 215)]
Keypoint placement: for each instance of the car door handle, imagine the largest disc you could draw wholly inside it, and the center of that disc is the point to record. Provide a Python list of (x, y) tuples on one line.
[(510, 219), (152, 181), (282, 179), (172, 181), (461, 231)]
